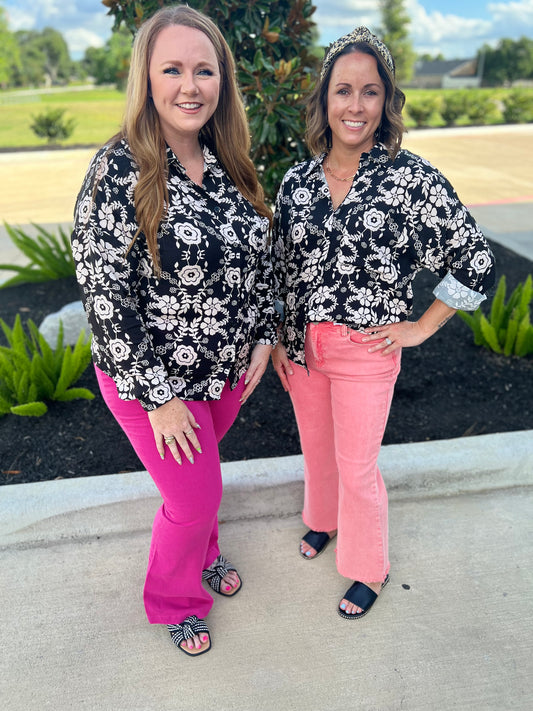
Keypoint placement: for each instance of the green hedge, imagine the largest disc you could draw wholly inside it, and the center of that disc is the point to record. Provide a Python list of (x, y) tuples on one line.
[(467, 107)]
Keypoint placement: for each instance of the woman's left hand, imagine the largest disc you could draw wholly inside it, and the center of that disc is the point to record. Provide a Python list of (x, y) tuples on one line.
[(258, 363), (409, 333), (394, 336)]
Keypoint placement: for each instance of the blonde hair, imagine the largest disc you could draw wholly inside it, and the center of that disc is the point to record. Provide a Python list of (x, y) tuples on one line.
[(391, 129), (226, 132)]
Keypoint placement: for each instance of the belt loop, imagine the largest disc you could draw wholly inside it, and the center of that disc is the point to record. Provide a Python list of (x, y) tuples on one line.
[(344, 329)]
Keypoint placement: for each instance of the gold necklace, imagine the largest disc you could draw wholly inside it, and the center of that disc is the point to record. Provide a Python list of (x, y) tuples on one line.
[(341, 180)]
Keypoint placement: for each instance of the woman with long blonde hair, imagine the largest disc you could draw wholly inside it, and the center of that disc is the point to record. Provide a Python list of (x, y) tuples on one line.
[(171, 246)]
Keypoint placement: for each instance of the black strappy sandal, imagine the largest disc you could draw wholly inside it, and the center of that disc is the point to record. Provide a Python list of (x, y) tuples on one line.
[(190, 627), (216, 572)]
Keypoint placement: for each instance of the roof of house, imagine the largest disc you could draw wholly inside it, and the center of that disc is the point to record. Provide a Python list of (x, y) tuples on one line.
[(452, 67)]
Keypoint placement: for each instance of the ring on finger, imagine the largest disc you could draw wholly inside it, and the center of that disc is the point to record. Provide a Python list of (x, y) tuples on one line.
[(189, 432), (169, 438), (388, 341)]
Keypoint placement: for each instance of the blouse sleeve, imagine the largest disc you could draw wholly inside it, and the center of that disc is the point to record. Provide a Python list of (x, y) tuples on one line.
[(104, 224), (279, 245), (449, 243), (265, 331)]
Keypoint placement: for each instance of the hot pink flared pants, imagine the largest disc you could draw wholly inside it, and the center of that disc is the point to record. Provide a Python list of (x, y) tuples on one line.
[(185, 530), (341, 408)]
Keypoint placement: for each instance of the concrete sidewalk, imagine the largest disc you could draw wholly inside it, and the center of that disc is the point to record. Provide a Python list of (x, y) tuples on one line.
[(451, 631)]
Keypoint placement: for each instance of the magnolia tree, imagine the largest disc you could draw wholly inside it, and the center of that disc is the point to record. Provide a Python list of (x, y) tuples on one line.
[(273, 46)]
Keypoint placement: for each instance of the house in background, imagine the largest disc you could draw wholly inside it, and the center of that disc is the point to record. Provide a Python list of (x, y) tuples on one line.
[(447, 74)]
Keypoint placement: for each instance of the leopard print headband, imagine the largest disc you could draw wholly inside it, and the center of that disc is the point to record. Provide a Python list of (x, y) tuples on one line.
[(360, 34)]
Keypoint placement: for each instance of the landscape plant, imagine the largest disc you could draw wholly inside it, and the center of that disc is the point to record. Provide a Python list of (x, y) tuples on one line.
[(507, 329), (454, 106), (52, 125), (32, 372), (49, 254), (481, 108), (517, 106), (421, 110)]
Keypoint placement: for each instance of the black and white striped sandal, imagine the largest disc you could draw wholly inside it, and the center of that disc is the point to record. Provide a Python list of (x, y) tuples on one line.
[(190, 627), (216, 572)]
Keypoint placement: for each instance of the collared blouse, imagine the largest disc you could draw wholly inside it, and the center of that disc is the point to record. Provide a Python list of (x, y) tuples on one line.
[(355, 265), (185, 332)]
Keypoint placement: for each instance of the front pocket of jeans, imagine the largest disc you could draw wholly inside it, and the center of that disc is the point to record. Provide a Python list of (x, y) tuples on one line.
[(356, 337)]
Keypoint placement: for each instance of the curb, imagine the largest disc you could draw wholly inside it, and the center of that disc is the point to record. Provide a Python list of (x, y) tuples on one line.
[(51, 511)]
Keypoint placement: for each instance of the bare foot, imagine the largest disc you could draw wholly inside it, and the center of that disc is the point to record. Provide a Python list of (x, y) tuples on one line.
[(310, 552)]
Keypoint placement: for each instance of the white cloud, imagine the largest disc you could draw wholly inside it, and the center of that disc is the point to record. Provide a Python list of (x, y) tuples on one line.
[(79, 39), (451, 35), (20, 19), (335, 19), (512, 19), (83, 23)]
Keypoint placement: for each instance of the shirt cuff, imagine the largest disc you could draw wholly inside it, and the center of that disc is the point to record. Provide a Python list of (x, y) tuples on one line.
[(457, 295)]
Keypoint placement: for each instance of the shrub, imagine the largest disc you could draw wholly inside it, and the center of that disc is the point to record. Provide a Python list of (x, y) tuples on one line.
[(517, 107), (421, 110), (508, 329), (481, 109), (52, 126), (32, 372), (50, 256), (454, 105)]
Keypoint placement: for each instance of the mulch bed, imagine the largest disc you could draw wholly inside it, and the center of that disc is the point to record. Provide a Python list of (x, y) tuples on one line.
[(447, 388)]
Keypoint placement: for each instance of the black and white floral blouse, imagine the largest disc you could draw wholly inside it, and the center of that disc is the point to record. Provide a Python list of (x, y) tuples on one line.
[(355, 265), (187, 331)]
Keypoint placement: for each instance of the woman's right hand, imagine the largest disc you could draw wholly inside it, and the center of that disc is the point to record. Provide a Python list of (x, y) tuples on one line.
[(282, 365), (174, 419)]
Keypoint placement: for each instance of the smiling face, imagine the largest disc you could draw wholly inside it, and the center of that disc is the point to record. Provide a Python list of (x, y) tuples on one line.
[(356, 97), (184, 82)]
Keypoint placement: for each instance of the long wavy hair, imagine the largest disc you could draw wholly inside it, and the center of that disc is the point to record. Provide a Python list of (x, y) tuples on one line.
[(226, 132), (391, 129)]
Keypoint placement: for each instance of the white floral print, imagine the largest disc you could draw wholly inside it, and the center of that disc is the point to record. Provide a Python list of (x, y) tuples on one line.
[(399, 217), (188, 331)]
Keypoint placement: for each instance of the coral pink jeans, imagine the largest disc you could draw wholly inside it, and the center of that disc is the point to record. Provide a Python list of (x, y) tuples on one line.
[(185, 530), (341, 409)]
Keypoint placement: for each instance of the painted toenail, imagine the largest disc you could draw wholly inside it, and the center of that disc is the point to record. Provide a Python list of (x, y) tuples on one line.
[(343, 606), (308, 553), (228, 587)]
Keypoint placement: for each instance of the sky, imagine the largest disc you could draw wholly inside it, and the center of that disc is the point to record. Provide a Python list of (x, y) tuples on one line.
[(454, 28)]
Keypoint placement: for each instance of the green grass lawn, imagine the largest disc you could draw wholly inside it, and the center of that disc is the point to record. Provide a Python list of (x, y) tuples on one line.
[(97, 113)]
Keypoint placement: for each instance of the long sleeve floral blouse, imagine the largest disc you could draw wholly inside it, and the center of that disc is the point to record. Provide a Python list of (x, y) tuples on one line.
[(355, 265), (187, 331)]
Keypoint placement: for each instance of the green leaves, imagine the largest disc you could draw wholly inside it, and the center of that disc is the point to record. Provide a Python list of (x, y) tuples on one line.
[(508, 328), (51, 125), (31, 372), (49, 254)]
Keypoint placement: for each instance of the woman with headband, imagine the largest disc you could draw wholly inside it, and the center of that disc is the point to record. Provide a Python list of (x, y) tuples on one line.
[(352, 228)]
